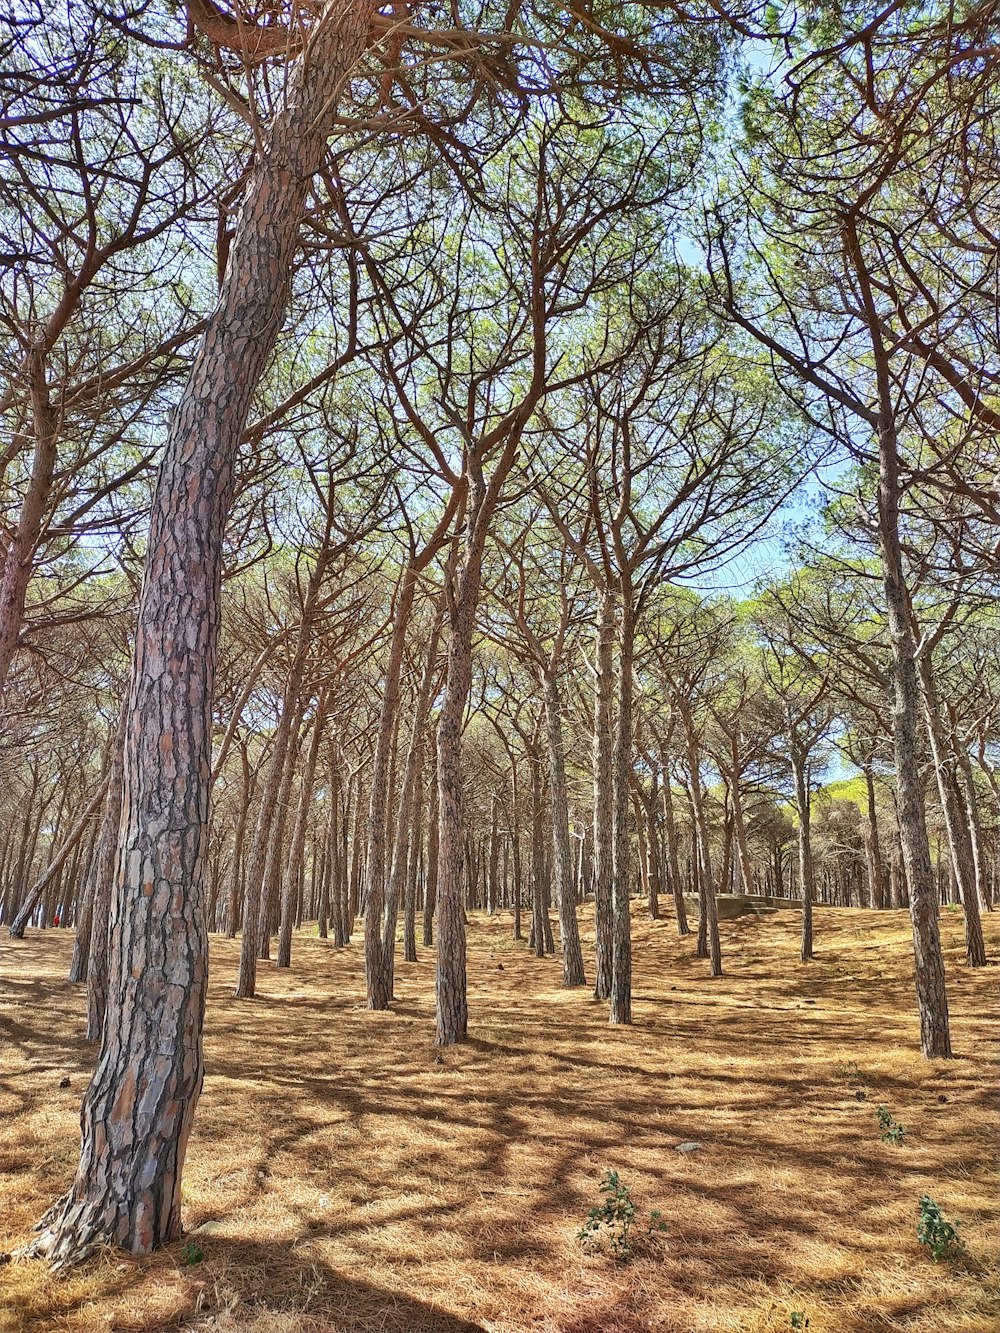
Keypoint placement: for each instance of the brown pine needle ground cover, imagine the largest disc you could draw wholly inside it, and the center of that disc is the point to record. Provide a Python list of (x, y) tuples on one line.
[(345, 1175)]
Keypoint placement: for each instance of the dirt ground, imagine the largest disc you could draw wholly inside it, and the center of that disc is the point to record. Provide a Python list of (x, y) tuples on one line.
[(345, 1175)]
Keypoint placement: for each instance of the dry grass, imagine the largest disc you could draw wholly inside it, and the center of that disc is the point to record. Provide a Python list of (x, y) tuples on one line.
[(357, 1179)]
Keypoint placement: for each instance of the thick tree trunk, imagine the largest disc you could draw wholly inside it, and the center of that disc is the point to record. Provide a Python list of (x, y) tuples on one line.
[(603, 800), (138, 1110)]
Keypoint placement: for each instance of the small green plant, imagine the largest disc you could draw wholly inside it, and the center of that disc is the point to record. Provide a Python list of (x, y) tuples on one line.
[(890, 1130), (611, 1222), (800, 1319), (191, 1252), (937, 1233)]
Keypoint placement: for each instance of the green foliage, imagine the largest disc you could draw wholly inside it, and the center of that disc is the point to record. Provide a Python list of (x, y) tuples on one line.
[(937, 1233), (890, 1130), (610, 1224), (800, 1319), (191, 1253)]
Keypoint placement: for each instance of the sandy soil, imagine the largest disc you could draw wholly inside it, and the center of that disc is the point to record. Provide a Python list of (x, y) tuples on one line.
[(345, 1175)]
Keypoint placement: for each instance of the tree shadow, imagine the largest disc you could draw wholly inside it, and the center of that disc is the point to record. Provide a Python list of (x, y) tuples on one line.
[(210, 1283)]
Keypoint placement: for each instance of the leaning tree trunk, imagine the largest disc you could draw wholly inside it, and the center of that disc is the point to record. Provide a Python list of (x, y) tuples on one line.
[(603, 800), (138, 1110), (569, 928)]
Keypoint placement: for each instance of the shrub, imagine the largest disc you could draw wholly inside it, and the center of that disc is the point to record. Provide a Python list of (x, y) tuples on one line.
[(937, 1233), (609, 1224)]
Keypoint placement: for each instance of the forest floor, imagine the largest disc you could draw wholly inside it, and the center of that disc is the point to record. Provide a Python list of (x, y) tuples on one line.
[(343, 1174)]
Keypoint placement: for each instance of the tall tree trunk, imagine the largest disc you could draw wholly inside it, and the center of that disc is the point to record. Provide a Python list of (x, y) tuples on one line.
[(807, 879), (676, 883), (703, 857), (873, 848), (569, 928), (603, 799), (20, 552), (932, 998), (433, 831), (261, 863), (295, 850), (451, 990), (378, 980), (621, 964), (955, 818), (138, 1110), (409, 796), (30, 901), (739, 821)]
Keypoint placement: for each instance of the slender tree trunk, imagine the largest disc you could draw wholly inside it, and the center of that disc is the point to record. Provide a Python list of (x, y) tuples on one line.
[(451, 991), (409, 798), (294, 865), (378, 981), (621, 968), (676, 883), (955, 818), (261, 863), (138, 1110), (433, 832), (873, 849), (569, 928), (603, 799), (73, 837), (807, 879), (739, 822), (932, 999), (703, 858), (20, 553)]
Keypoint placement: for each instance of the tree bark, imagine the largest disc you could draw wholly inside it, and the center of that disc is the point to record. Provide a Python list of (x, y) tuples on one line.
[(621, 958), (138, 1110), (807, 878), (562, 858), (603, 800)]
